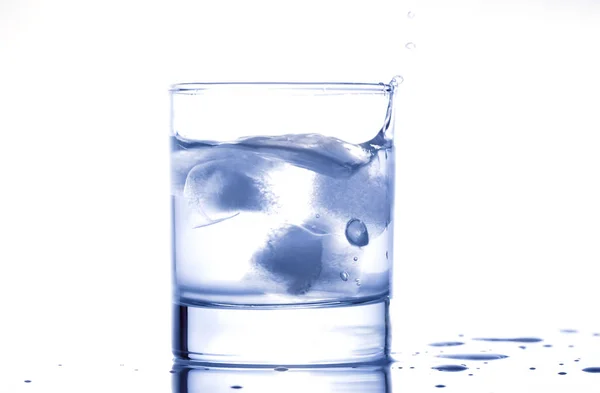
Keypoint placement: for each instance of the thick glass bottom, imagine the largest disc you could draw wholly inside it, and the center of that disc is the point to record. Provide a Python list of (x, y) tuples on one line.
[(285, 335)]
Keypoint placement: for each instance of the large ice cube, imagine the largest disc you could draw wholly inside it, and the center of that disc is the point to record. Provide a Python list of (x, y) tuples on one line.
[(291, 260), (226, 185), (359, 206)]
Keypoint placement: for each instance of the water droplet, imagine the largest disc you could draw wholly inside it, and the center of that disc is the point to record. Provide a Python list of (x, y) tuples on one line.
[(511, 340), (461, 335), (447, 344), (236, 387), (561, 364), (450, 368), (473, 356), (355, 259), (548, 345), (396, 80), (596, 334), (60, 365), (410, 45), (562, 373), (522, 346), (470, 375), (412, 367), (356, 233), (576, 360), (568, 331), (280, 369), (357, 281), (532, 368), (594, 370), (410, 15), (318, 216), (172, 371), (344, 276), (27, 381), (386, 255), (440, 386), (571, 346)]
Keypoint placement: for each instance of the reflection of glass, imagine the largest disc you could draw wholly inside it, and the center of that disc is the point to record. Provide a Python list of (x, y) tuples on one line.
[(282, 198), (363, 379)]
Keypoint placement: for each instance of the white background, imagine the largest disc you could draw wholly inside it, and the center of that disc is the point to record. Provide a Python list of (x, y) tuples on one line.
[(498, 141)]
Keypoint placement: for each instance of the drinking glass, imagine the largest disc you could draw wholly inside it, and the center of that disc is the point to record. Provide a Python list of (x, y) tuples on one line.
[(282, 207)]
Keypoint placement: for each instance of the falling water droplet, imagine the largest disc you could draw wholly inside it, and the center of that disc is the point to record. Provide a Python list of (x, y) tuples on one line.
[(440, 386), (386, 255), (236, 387), (318, 216), (280, 369), (532, 368), (410, 45), (356, 232), (548, 345), (410, 15), (562, 373), (355, 259), (357, 281), (27, 381), (344, 276)]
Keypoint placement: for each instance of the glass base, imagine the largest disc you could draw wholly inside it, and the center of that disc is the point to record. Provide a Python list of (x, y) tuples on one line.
[(277, 336)]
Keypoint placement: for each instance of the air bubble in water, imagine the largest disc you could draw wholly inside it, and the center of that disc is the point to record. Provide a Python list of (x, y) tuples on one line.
[(410, 45), (344, 276), (356, 233)]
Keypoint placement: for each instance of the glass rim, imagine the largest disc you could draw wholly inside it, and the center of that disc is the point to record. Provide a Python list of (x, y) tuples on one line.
[(316, 87)]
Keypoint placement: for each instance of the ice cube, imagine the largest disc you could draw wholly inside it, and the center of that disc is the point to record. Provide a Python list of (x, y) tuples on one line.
[(226, 185), (360, 205), (291, 258)]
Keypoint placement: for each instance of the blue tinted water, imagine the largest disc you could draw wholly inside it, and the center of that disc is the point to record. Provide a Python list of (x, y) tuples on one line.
[(289, 219)]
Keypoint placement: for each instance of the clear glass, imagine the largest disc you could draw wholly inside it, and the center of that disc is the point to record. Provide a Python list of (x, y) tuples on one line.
[(282, 206)]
